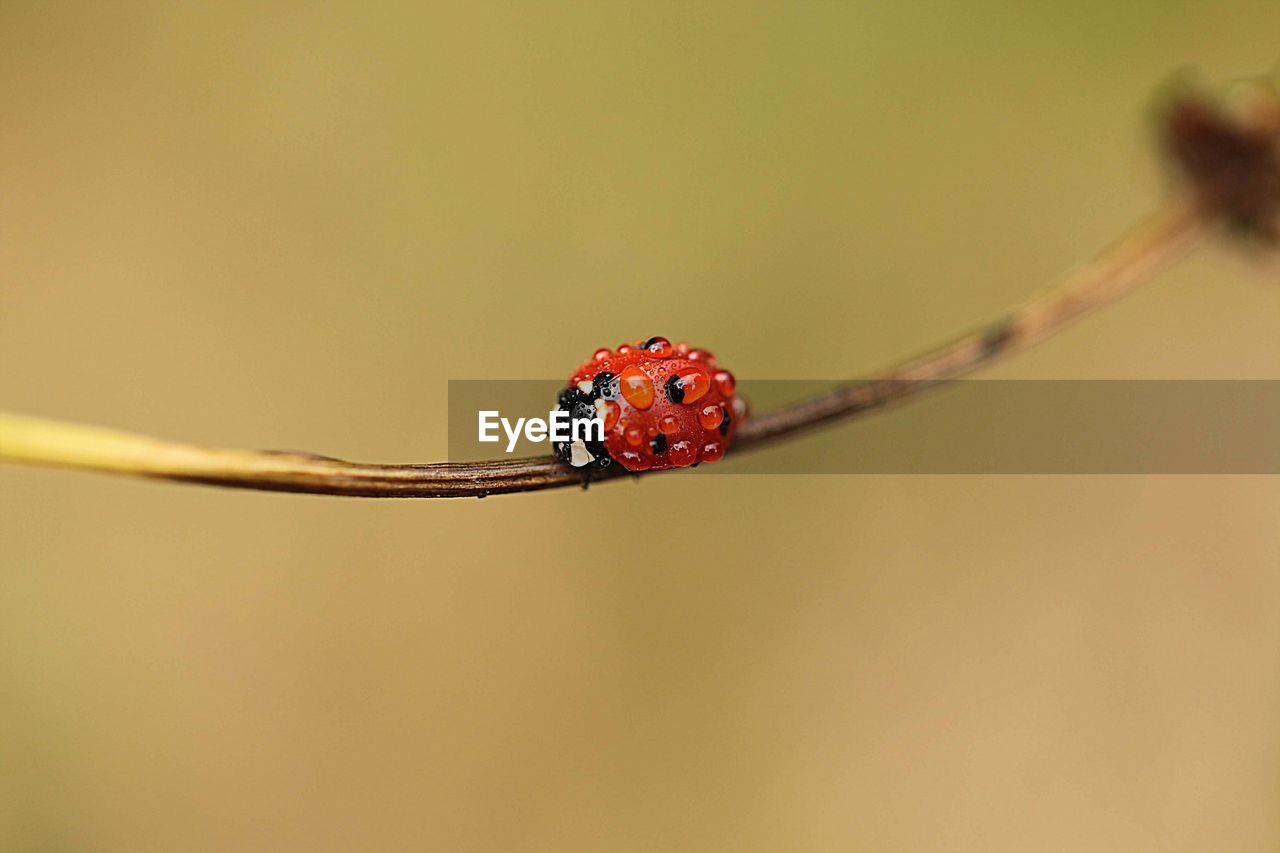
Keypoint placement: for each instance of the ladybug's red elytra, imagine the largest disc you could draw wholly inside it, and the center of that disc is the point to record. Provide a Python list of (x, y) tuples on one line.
[(662, 405)]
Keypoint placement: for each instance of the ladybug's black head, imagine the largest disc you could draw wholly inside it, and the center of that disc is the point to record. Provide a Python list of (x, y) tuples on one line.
[(581, 407)]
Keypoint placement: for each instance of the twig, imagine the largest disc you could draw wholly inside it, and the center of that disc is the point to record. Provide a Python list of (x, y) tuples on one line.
[(1144, 251), (1231, 163)]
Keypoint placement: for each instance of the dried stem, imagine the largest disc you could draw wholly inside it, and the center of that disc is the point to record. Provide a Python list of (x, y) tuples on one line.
[(1133, 260), (1142, 252)]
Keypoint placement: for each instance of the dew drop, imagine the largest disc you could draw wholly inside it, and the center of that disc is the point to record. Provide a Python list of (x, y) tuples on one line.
[(693, 384), (658, 347), (637, 387), (633, 461), (710, 416), (725, 383), (682, 453)]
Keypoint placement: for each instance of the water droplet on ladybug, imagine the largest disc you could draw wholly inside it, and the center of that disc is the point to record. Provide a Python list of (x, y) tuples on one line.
[(669, 424), (637, 387), (712, 451), (601, 354), (658, 347), (682, 453), (725, 383), (693, 384), (633, 461), (634, 436), (711, 416)]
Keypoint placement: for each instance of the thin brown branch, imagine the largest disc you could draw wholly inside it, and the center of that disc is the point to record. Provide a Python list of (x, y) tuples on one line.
[(1230, 160), (1134, 259)]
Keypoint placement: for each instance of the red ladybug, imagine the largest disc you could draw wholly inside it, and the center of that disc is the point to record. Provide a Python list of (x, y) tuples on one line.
[(662, 406)]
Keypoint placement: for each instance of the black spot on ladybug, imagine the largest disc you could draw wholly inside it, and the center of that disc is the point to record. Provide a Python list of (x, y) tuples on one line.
[(724, 424), (660, 443), (605, 386), (675, 390)]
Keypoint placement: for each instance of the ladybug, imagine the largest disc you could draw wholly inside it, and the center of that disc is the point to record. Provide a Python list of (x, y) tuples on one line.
[(661, 406)]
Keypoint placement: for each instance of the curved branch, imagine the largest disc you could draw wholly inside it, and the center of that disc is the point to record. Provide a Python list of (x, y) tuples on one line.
[(1142, 252), (1146, 249)]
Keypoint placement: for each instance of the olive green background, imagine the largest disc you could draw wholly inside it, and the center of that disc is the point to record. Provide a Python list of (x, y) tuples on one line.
[(287, 225)]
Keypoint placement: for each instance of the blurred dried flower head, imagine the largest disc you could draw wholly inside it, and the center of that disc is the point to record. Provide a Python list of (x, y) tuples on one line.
[(1228, 148)]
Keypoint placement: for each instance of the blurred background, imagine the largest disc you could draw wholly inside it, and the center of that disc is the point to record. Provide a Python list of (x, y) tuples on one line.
[(288, 225)]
